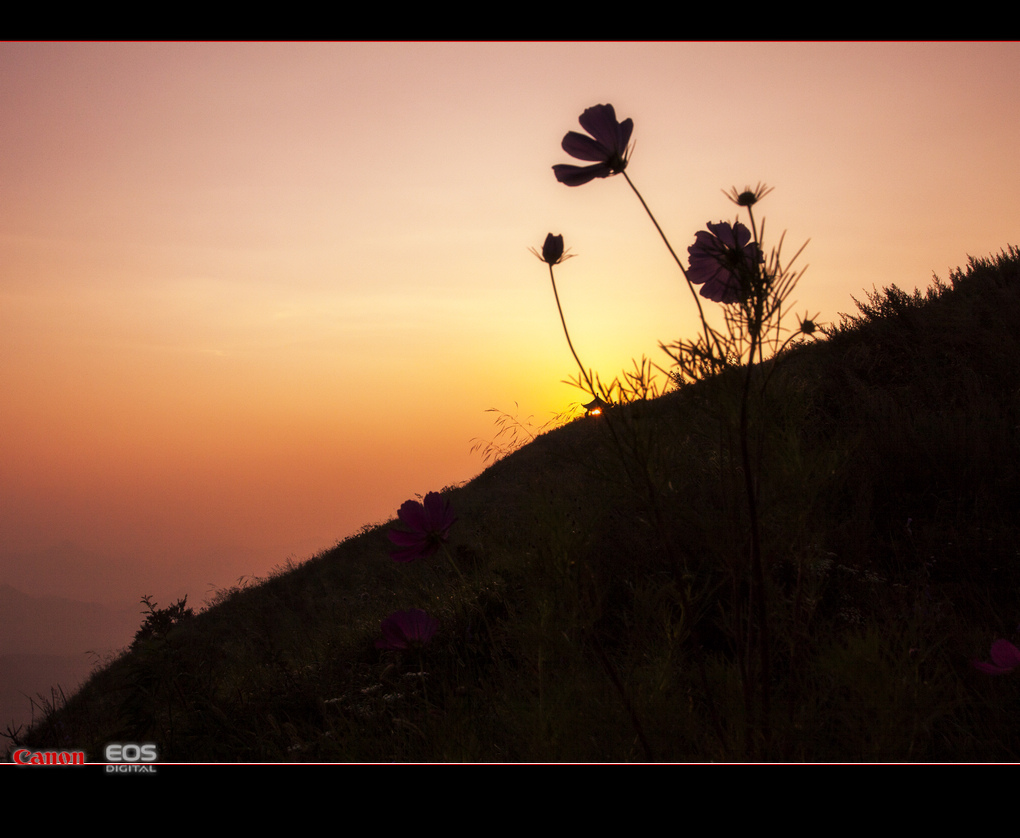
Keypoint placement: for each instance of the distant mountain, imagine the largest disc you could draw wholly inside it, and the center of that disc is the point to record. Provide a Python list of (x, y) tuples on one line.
[(48, 642), (36, 679), (47, 625), (68, 570)]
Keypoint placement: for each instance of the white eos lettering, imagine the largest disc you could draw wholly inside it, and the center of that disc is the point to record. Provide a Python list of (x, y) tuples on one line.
[(131, 752)]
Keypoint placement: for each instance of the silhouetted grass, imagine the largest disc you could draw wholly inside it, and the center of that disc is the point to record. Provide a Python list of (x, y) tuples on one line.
[(594, 618)]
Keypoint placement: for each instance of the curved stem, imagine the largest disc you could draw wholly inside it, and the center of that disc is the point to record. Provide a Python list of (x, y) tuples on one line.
[(754, 227), (610, 424), (672, 253), (710, 336), (563, 320)]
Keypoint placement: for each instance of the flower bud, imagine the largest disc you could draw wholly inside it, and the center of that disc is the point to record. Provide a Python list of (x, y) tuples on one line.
[(552, 250)]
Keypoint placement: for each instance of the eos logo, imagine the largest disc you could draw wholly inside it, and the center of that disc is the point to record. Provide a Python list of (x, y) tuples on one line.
[(131, 753)]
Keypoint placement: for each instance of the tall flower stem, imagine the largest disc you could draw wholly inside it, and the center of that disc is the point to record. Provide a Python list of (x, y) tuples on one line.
[(566, 332), (645, 479), (672, 252), (757, 605), (587, 379), (464, 582), (710, 336), (453, 564)]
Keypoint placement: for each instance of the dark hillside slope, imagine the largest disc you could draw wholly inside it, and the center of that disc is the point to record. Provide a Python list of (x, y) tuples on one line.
[(593, 606)]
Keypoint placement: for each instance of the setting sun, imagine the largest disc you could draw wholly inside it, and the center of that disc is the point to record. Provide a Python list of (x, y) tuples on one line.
[(257, 295)]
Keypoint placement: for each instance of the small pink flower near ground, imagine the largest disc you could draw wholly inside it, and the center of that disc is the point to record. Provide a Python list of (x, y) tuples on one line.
[(1005, 658), (430, 524), (407, 630)]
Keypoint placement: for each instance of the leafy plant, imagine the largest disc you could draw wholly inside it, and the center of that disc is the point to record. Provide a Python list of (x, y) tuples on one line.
[(159, 621)]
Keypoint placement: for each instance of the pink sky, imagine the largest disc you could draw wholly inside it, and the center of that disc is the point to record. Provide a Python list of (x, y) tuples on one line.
[(254, 296)]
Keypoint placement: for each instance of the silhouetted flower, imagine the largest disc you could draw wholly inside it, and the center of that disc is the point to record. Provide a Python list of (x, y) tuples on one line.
[(608, 148), (430, 524), (552, 250), (407, 630), (749, 197), (721, 260), (808, 326), (1005, 658)]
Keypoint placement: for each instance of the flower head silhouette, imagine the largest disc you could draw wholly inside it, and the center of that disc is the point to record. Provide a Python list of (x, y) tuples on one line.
[(809, 325), (1005, 658), (609, 148), (749, 197), (552, 250), (721, 259), (407, 630), (430, 524)]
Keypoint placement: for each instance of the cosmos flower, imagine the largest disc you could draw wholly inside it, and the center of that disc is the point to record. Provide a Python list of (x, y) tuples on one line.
[(749, 197), (552, 250), (430, 524), (1005, 658), (720, 258), (609, 148), (407, 630)]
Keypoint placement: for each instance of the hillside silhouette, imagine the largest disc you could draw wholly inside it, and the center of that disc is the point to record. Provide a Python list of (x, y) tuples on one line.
[(587, 609)]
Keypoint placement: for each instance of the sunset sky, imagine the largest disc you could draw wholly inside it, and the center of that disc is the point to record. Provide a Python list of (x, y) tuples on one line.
[(254, 296)]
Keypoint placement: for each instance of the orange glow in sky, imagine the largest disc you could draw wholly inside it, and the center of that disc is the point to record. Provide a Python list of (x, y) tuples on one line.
[(254, 296)]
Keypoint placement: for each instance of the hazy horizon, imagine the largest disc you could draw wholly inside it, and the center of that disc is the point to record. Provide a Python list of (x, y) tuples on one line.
[(255, 296)]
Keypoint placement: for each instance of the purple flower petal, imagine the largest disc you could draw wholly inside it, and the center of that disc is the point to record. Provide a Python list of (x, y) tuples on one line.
[(404, 539), (607, 146), (410, 546), (580, 175), (435, 506), (988, 668), (721, 260), (585, 148), (600, 122), (412, 513), (1005, 657), (405, 629), (429, 523), (1005, 654), (733, 238)]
